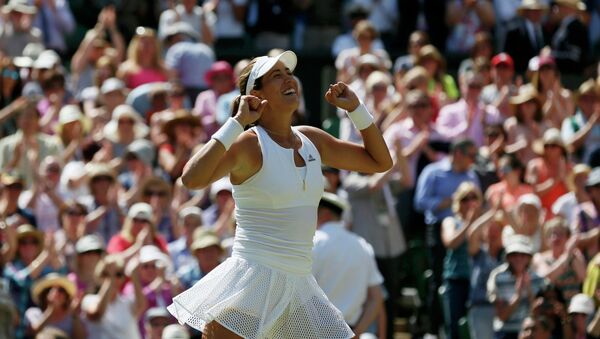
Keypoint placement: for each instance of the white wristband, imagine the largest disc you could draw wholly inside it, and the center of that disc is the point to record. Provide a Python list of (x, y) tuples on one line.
[(228, 133), (361, 118)]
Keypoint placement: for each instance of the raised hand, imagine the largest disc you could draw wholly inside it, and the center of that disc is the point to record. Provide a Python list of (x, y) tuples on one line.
[(250, 109), (342, 96)]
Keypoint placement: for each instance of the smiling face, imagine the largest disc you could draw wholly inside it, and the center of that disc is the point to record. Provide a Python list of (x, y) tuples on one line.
[(280, 89)]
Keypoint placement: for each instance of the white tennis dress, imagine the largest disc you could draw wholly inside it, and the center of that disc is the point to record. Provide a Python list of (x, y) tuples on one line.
[(266, 288)]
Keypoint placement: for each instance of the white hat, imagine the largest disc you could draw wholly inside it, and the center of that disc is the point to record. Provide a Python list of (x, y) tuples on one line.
[(46, 60), (141, 210), (581, 303), (264, 64), (180, 27), (157, 312), (222, 184), (142, 149), (111, 85), (88, 243), (139, 129), (175, 331), (21, 6), (190, 210), (150, 253), (31, 52), (529, 199), (71, 113), (519, 243), (335, 200)]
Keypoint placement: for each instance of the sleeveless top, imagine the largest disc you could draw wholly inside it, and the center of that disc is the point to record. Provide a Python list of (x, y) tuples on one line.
[(456, 263), (276, 226)]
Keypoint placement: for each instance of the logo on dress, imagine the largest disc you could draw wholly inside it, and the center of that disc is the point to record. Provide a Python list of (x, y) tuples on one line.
[(311, 158)]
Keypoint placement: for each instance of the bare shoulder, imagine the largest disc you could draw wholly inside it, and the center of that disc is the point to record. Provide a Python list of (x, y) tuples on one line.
[(318, 136)]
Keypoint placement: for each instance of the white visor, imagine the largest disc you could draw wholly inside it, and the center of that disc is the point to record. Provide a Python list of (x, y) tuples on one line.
[(264, 64)]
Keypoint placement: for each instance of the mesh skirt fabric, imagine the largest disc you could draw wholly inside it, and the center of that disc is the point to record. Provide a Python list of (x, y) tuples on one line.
[(257, 302)]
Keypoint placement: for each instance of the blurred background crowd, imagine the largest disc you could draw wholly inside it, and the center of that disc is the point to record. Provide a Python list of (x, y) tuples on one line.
[(487, 226)]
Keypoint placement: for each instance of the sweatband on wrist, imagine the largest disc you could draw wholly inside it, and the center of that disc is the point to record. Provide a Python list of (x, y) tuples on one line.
[(361, 118), (228, 133)]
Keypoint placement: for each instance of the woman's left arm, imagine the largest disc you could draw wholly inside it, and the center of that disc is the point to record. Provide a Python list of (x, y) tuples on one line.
[(373, 156)]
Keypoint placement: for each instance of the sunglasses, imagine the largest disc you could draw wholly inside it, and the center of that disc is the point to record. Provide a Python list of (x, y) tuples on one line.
[(28, 242), (469, 197), (119, 274), (150, 193), (140, 221), (126, 122), (148, 266), (420, 105), (74, 213)]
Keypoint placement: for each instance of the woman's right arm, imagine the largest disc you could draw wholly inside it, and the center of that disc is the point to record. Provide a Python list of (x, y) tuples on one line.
[(229, 151)]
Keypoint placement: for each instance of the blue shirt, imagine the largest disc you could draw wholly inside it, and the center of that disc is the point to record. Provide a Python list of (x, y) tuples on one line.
[(482, 265), (191, 60), (180, 254), (189, 275), (437, 182)]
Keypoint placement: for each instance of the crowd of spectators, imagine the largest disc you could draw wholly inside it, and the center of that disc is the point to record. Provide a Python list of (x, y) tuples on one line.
[(496, 175)]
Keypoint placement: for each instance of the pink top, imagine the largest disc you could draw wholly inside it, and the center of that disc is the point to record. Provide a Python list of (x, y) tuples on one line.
[(206, 109), (452, 121), (145, 76), (510, 196)]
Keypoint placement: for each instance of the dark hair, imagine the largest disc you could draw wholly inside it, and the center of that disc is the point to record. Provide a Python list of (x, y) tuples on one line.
[(242, 82), (89, 149), (538, 117), (461, 145), (512, 161), (52, 79), (333, 208)]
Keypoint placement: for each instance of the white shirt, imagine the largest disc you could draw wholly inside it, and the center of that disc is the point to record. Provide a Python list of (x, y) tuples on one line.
[(118, 320), (170, 16), (344, 266), (45, 212)]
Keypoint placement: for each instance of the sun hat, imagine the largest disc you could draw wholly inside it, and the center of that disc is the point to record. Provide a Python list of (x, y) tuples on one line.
[(11, 178), (157, 312), (139, 128), (111, 85), (576, 4), (180, 27), (264, 64), (181, 116), (31, 52), (204, 240), (333, 200), (581, 303), (21, 6), (50, 280), (552, 136), (72, 113), (219, 67), (150, 253), (526, 93), (95, 170), (531, 5), (27, 230), (190, 211), (223, 184), (46, 60), (529, 199)]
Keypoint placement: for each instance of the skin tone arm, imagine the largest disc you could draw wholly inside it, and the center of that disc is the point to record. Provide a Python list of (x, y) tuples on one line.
[(140, 303), (571, 257), (503, 309), (106, 290), (474, 233), (370, 310), (452, 237)]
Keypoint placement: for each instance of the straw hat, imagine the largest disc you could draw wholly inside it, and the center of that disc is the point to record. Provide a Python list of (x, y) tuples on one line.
[(429, 51), (72, 113), (27, 230), (551, 136), (531, 5), (94, 170), (179, 117), (526, 93), (205, 240), (111, 129), (576, 4), (50, 280), (588, 87), (334, 201)]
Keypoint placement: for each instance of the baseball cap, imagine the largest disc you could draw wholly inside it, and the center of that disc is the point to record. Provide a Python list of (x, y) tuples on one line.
[(175, 331), (140, 210), (581, 303), (519, 244), (529, 199), (89, 243), (503, 59), (111, 85)]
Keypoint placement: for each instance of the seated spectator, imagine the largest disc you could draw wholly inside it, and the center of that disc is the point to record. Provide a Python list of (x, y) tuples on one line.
[(138, 230), (498, 93), (525, 219), (581, 131), (109, 313), (207, 251), (347, 61), (183, 131), (512, 287), (355, 12), (154, 266), (112, 94), (566, 205), (189, 220), (581, 308), (511, 187), (405, 63), (58, 307), (355, 286), (155, 322), (11, 187), (16, 30), (379, 94), (22, 150), (547, 174), (562, 264), (144, 62), (557, 102), (466, 208), (486, 252), (482, 49), (138, 161), (105, 214), (441, 85), (89, 251), (125, 126), (527, 125), (157, 192), (72, 127), (34, 257), (44, 199), (220, 80), (72, 227), (465, 19), (587, 224), (467, 117)]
